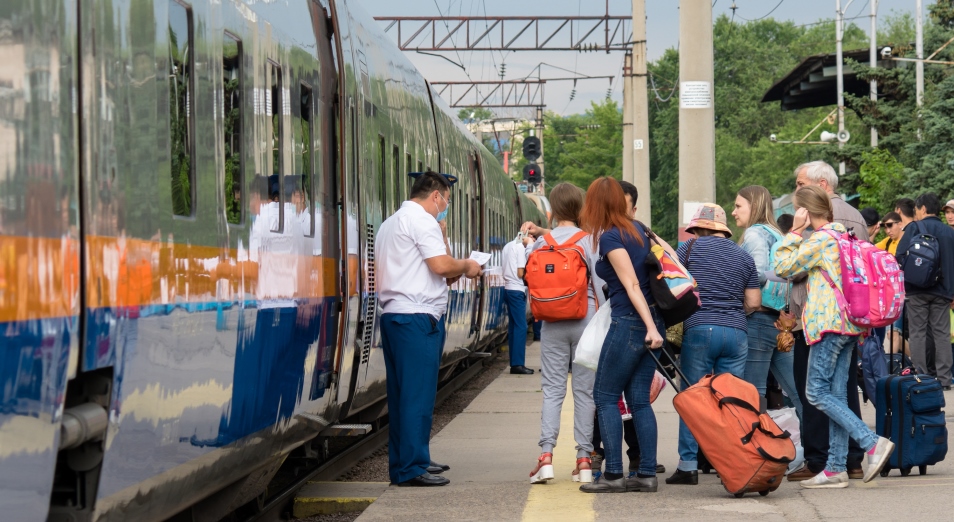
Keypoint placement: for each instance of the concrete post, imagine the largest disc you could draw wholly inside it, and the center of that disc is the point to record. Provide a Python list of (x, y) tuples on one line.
[(541, 188), (696, 110), (873, 59), (840, 80), (639, 145), (628, 173)]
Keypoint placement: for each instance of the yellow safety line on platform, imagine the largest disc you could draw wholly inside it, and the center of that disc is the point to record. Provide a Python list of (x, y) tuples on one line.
[(561, 498)]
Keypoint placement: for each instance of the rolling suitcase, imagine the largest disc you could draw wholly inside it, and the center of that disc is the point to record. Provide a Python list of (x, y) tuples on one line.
[(747, 448), (910, 414)]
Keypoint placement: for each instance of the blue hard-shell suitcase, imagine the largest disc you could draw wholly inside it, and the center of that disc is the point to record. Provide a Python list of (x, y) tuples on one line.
[(910, 414)]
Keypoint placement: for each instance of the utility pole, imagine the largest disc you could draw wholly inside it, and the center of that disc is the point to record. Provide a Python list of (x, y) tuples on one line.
[(839, 73), (628, 112), (696, 110), (543, 173), (873, 59), (638, 147), (919, 48)]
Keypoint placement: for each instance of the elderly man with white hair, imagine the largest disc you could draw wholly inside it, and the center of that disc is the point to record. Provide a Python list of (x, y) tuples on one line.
[(814, 427)]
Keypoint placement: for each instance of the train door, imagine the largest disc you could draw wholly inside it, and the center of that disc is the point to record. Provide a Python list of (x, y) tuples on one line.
[(477, 220)]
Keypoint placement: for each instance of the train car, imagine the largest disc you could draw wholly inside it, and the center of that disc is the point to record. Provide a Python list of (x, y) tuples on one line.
[(189, 192)]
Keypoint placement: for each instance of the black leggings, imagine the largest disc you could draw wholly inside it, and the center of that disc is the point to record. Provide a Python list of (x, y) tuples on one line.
[(629, 435)]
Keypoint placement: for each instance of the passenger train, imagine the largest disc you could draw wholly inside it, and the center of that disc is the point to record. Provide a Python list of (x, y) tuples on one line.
[(189, 193)]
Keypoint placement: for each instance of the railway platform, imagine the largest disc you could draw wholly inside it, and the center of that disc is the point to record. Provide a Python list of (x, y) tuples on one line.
[(492, 446)]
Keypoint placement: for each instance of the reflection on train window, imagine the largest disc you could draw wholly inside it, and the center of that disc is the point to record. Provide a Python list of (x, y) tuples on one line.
[(232, 120), (408, 168), (383, 177), (273, 109), (420, 166), (395, 177), (180, 108), (303, 191)]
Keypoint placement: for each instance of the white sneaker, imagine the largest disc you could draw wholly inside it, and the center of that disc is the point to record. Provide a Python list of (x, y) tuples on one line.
[(822, 481), (880, 457)]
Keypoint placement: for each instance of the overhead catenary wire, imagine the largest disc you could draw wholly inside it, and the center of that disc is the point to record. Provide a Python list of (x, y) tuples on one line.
[(766, 15)]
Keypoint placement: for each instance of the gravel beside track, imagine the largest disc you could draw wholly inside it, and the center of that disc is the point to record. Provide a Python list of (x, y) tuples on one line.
[(375, 467)]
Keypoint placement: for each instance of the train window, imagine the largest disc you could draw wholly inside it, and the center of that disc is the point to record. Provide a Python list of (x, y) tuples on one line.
[(420, 166), (303, 192), (396, 176), (408, 168), (273, 109), (232, 121), (180, 108), (383, 176)]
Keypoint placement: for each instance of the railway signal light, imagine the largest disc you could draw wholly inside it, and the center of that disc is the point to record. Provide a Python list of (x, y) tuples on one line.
[(531, 148), (532, 173)]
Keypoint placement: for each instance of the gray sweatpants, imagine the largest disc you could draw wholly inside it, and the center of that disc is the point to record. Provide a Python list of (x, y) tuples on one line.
[(928, 312), (557, 348)]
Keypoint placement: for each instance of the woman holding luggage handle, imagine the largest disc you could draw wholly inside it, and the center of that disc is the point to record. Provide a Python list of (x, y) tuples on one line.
[(624, 366), (830, 335), (753, 212)]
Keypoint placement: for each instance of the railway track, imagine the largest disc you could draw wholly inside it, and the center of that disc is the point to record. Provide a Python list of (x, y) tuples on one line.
[(274, 506)]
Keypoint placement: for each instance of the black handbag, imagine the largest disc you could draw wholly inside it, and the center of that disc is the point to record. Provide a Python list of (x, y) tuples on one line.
[(674, 309)]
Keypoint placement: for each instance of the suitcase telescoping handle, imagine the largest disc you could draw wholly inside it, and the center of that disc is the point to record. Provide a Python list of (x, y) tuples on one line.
[(662, 368)]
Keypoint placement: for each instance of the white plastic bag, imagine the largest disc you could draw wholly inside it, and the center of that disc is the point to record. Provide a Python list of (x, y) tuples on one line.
[(591, 342), (787, 419)]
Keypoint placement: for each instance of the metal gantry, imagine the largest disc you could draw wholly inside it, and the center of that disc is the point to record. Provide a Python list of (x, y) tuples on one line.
[(498, 94), (511, 33)]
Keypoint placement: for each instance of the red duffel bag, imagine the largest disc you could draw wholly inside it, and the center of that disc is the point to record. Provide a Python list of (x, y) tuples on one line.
[(748, 450)]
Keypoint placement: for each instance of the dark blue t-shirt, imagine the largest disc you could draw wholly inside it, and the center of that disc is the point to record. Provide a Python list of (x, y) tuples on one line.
[(723, 271), (611, 240)]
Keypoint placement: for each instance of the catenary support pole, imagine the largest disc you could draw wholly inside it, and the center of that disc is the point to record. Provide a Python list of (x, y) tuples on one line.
[(541, 188), (696, 110), (639, 145), (628, 111), (873, 59), (839, 73)]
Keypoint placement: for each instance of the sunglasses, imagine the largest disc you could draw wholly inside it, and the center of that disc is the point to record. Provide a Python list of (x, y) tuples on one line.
[(889, 225)]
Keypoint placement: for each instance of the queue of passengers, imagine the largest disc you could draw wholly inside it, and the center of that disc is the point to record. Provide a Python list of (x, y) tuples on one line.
[(733, 331)]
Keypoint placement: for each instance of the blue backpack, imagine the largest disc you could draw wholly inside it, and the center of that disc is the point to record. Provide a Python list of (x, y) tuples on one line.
[(921, 263), (774, 293)]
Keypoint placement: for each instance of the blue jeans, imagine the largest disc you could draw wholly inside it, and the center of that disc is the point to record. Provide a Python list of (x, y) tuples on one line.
[(412, 353), (826, 389), (707, 349), (626, 367), (763, 355), (517, 326)]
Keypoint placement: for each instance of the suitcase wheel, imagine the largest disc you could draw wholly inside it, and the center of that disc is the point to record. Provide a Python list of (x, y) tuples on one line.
[(905, 471), (922, 470), (739, 495), (764, 493), (885, 471)]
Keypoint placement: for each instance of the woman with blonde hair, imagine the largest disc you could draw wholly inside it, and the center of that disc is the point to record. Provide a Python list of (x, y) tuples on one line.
[(558, 340), (831, 336), (753, 212)]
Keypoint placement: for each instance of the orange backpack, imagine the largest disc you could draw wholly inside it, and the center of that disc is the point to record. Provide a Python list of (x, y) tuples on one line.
[(557, 277)]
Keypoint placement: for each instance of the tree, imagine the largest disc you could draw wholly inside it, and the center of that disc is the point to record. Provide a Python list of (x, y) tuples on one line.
[(474, 114)]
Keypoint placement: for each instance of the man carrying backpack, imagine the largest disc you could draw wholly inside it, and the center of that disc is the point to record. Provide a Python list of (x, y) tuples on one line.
[(926, 254)]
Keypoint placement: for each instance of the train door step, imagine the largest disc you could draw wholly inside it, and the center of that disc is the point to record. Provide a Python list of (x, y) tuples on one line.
[(326, 498), (346, 430)]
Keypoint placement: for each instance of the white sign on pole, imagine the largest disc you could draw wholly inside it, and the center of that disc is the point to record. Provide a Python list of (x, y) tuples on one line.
[(689, 209), (695, 95), (638, 144)]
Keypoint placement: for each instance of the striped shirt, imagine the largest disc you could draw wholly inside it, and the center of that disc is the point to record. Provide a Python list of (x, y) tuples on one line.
[(723, 271)]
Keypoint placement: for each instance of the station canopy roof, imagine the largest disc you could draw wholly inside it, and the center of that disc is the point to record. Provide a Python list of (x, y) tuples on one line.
[(813, 82)]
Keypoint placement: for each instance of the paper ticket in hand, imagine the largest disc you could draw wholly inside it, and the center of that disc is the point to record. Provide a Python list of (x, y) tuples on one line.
[(480, 257)]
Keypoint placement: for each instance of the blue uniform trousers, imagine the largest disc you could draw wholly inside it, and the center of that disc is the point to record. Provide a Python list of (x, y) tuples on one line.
[(412, 354), (517, 327)]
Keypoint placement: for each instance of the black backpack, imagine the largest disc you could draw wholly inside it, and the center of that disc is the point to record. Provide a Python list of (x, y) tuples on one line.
[(921, 263)]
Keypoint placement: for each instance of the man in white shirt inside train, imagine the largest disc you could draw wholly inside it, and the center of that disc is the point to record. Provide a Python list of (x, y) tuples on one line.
[(513, 263), (414, 265)]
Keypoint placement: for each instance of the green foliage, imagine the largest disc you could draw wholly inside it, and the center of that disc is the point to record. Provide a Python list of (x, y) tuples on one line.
[(932, 158), (882, 177), (942, 13), (479, 114)]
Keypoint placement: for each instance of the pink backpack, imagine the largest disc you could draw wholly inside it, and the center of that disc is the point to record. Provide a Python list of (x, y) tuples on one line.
[(872, 282)]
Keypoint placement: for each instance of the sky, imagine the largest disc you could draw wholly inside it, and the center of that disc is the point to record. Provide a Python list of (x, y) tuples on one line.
[(662, 21)]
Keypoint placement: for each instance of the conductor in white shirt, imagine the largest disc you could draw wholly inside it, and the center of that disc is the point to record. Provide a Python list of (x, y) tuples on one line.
[(514, 262), (414, 265)]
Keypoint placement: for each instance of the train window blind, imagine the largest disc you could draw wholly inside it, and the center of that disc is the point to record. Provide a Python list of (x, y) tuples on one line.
[(304, 185), (232, 122), (273, 109), (180, 109)]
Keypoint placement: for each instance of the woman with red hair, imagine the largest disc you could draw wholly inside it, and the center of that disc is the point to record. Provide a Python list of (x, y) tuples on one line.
[(625, 366)]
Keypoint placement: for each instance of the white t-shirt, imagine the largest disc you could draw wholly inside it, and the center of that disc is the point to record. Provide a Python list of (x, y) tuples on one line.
[(405, 284), (513, 257)]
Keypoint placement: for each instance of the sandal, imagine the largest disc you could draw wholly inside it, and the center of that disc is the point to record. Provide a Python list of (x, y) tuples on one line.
[(583, 471), (544, 470)]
